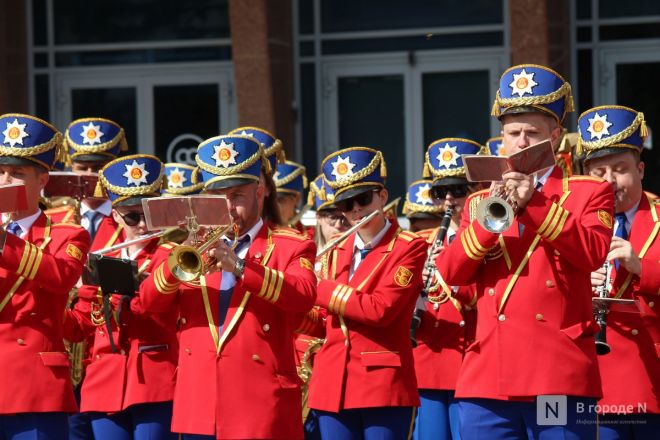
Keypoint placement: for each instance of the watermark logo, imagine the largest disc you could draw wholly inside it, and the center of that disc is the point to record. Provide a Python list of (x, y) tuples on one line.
[(551, 410)]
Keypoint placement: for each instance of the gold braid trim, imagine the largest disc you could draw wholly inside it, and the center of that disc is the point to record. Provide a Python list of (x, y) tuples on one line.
[(27, 152), (91, 149), (562, 92), (233, 169), (185, 189), (137, 191), (315, 191), (617, 138), (289, 178), (364, 172), (415, 207), (429, 170)]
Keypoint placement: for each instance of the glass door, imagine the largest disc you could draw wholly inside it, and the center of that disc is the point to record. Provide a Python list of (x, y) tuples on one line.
[(630, 77), (166, 112), (401, 103)]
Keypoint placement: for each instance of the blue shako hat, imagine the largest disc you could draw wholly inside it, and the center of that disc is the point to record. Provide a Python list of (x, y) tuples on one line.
[(181, 179), (94, 140), (290, 178), (419, 203), (231, 160), (495, 146), (529, 88), (444, 161), (354, 170), (611, 129), (129, 179), (28, 140), (273, 147)]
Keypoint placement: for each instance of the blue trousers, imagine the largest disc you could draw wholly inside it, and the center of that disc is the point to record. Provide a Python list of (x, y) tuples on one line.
[(146, 421), (383, 423), (500, 419), (437, 417), (629, 427), (311, 426), (34, 426), (80, 426)]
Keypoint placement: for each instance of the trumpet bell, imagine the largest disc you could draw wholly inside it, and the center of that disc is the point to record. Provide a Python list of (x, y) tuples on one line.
[(185, 263), (494, 214)]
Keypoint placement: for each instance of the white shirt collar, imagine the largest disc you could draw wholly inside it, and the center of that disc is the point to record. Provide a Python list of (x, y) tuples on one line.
[(359, 244), (544, 177), (26, 222), (105, 208), (252, 233)]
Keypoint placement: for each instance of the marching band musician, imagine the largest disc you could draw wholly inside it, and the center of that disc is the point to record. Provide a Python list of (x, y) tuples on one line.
[(535, 328), (291, 182), (363, 385), (448, 322), (91, 143), (612, 137), (129, 384), (237, 376), (40, 261)]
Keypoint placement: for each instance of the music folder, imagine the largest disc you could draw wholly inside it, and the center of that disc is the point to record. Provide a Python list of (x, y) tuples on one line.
[(115, 275), (68, 184), (13, 197), (484, 168), (175, 211)]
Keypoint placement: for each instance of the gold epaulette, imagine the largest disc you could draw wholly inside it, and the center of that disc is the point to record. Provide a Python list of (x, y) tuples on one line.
[(474, 199), (58, 210), (426, 234), (289, 233), (68, 225), (167, 245), (408, 236), (586, 179)]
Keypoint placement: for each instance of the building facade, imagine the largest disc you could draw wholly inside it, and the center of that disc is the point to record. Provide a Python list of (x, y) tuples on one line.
[(321, 74)]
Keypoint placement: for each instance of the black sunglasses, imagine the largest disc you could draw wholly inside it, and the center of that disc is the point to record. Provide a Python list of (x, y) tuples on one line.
[(362, 199), (132, 218), (440, 192)]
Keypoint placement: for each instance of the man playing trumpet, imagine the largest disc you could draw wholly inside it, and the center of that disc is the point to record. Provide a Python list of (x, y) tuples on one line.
[(535, 328), (612, 137), (237, 376)]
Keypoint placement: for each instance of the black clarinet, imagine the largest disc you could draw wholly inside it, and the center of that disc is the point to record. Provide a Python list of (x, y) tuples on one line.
[(602, 347), (429, 266)]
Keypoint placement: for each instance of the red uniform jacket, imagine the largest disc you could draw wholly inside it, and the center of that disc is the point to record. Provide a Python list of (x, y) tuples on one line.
[(367, 358), (631, 371), (61, 214), (143, 368), (446, 329), (36, 275), (535, 327), (241, 383)]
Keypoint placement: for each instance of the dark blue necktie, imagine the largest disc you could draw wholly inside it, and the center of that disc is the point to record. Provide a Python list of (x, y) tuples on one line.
[(621, 231), (14, 228), (363, 254), (91, 217), (225, 295)]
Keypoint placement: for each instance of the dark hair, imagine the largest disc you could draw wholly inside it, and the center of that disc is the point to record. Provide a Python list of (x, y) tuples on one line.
[(271, 211)]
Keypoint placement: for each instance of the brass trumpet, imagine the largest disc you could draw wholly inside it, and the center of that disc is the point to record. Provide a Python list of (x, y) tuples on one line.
[(187, 262), (495, 213)]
